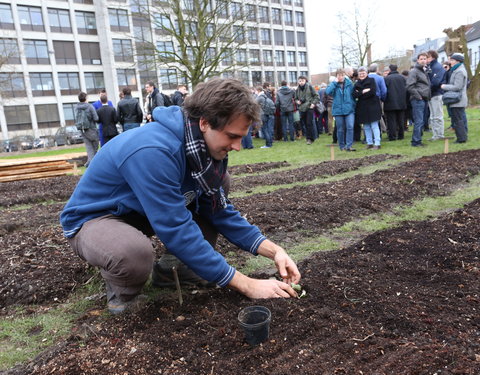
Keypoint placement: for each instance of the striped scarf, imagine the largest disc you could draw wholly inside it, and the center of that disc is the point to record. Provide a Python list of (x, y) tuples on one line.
[(206, 171)]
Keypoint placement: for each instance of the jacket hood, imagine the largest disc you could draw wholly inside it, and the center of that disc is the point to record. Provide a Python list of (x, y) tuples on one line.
[(83, 105), (284, 90), (170, 117)]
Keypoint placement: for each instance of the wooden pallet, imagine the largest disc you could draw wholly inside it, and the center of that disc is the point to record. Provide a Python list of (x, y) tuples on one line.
[(38, 167)]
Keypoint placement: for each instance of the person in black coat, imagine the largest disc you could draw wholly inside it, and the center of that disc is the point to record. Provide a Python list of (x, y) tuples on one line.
[(368, 110), (107, 115), (395, 103)]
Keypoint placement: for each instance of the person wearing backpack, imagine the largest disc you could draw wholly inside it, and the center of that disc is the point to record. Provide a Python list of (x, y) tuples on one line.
[(284, 102), (306, 98), (85, 120), (179, 96), (268, 112), (154, 99)]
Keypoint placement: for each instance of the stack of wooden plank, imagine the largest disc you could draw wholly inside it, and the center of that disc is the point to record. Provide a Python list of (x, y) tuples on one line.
[(38, 167)]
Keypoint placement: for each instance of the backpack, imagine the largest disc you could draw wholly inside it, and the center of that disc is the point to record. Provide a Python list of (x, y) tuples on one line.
[(81, 119), (268, 106), (167, 102)]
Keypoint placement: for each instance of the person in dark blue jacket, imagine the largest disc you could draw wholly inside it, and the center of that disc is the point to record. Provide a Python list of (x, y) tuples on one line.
[(169, 180)]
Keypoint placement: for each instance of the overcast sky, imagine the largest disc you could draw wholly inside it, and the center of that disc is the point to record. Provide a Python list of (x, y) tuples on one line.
[(395, 27)]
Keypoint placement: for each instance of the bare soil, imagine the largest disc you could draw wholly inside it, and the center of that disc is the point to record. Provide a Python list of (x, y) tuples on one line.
[(401, 301)]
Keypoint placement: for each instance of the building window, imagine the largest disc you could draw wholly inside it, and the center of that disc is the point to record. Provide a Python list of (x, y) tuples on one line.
[(304, 73), (291, 58), (278, 37), (90, 53), (127, 78), (69, 113), (47, 116), (299, 19), (226, 57), (162, 24), (165, 49), (256, 78), (118, 20), (301, 41), (263, 14), (287, 17), (64, 52), (302, 58), (269, 77), (299, 3), (59, 20), (255, 56), (31, 18), (244, 77), (36, 51), (251, 12), (18, 117), (278, 1), (292, 78), (241, 56), (169, 78), (286, 2), (86, 23), (239, 34), (253, 35), (6, 18), (267, 57), (280, 58), (266, 37), (94, 82), (211, 53), (42, 84), (276, 16), (281, 76), (9, 51), (142, 31), (122, 50), (13, 85), (290, 37), (69, 83), (236, 9), (222, 8), (86, 1)]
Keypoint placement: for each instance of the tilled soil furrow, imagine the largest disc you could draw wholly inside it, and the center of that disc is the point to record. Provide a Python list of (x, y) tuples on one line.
[(402, 301), (306, 173)]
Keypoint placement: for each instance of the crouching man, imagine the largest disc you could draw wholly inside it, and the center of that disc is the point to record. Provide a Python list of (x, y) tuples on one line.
[(169, 178)]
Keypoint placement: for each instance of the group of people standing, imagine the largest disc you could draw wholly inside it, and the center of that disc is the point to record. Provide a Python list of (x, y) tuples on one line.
[(381, 102), (99, 124)]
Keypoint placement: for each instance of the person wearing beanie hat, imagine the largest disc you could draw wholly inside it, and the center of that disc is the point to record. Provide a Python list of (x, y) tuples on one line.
[(458, 83)]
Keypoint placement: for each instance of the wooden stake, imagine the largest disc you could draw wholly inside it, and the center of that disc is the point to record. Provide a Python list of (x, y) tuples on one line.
[(75, 169), (332, 151), (445, 147), (177, 285)]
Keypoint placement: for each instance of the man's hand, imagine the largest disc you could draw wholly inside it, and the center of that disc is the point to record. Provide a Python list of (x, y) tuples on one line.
[(312, 106), (285, 265), (255, 289)]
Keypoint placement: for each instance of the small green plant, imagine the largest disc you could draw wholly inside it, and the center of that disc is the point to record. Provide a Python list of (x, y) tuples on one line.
[(300, 291)]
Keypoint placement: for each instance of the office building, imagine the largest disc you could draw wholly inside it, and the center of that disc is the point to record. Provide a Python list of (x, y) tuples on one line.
[(53, 49)]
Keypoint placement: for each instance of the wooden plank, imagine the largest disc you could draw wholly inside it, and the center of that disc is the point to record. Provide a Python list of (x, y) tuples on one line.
[(33, 160), (32, 176), (26, 166), (44, 168)]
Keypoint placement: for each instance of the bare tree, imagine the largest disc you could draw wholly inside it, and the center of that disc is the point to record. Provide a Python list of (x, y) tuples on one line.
[(457, 42), (355, 37), (9, 54), (199, 38)]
